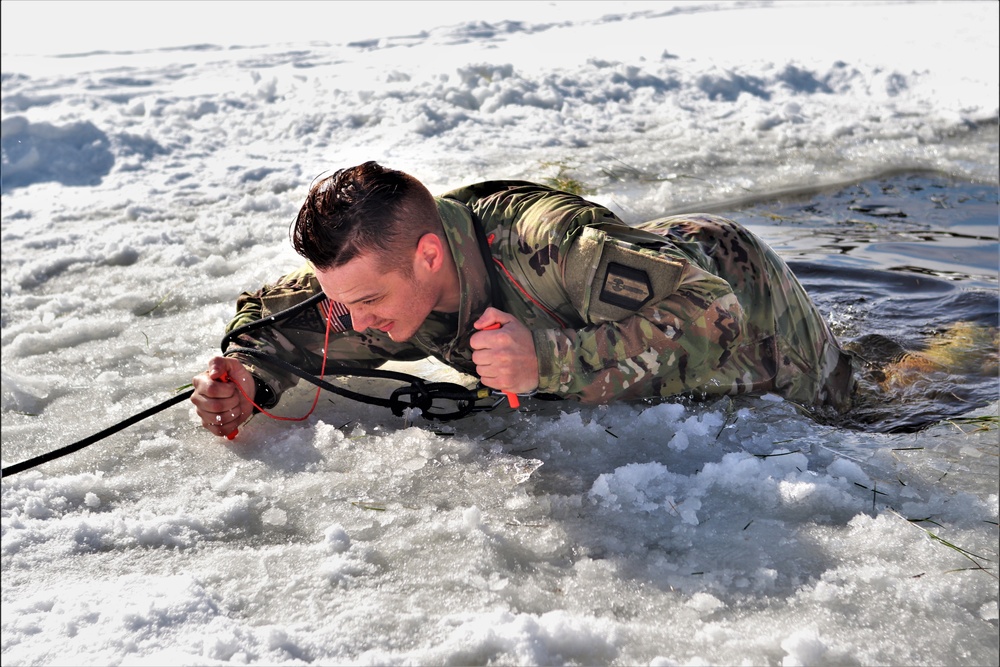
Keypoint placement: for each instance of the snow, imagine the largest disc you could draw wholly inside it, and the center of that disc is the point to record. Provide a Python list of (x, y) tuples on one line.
[(148, 178)]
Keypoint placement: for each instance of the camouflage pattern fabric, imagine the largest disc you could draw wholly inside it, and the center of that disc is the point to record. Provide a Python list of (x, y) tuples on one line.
[(690, 304)]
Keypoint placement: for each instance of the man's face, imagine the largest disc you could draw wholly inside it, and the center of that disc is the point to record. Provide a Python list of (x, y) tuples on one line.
[(390, 301)]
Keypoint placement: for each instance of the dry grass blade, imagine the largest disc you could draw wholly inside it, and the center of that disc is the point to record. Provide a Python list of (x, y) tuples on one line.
[(964, 553)]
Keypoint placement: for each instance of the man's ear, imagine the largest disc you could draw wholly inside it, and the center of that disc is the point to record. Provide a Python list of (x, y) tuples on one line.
[(430, 255)]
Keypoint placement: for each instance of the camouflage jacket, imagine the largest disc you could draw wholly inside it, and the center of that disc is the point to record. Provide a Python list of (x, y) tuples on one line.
[(684, 305)]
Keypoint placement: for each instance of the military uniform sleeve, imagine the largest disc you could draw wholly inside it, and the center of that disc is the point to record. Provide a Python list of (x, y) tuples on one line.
[(654, 324), (298, 340)]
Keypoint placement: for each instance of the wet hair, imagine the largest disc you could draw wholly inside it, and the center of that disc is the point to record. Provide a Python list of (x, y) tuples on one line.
[(364, 209)]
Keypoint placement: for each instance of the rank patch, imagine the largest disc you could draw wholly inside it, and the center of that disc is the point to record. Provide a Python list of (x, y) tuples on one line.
[(626, 287)]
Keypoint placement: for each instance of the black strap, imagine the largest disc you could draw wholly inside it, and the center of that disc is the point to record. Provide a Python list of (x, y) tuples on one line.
[(496, 295), (270, 320), (422, 394)]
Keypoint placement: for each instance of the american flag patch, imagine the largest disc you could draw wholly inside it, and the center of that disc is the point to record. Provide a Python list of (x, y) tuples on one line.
[(340, 317)]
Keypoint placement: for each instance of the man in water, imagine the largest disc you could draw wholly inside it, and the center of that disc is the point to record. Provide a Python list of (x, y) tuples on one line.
[(530, 289)]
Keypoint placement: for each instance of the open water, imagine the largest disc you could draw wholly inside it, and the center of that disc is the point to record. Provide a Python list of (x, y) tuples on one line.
[(909, 259)]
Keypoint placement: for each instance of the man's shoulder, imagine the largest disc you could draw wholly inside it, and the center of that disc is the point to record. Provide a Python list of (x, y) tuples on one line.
[(470, 194), (528, 207)]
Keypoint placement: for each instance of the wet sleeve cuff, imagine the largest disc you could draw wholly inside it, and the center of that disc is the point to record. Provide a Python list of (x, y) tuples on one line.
[(265, 397), (555, 360), (269, 387)]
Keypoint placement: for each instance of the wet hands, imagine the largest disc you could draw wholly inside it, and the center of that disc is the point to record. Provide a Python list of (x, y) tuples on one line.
[(219, 404), (504, 356)]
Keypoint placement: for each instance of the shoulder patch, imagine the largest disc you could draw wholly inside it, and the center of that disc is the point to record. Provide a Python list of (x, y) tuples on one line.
[(628, 278), (610, 279)]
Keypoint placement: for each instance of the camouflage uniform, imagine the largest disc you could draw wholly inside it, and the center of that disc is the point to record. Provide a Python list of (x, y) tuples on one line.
[(691, 304)]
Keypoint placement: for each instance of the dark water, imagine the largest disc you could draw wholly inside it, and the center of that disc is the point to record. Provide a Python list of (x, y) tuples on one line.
[(905, 267)]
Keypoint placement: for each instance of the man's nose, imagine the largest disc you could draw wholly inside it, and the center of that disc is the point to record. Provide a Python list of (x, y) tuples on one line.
[(360, 320)]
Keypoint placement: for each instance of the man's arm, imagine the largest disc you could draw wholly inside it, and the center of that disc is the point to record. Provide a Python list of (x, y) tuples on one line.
[(655, 325), (639, 318), (690, 336), (297, 340)]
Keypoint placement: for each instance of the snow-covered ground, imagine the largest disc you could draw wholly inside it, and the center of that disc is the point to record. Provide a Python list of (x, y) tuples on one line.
[(152, 159)]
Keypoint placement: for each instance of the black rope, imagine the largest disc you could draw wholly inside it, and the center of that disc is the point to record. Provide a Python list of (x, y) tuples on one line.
[(419, 394), (111, 430)]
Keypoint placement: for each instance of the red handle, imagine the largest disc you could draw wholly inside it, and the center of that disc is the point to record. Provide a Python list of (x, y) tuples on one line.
[(511, 396), (236, 431)]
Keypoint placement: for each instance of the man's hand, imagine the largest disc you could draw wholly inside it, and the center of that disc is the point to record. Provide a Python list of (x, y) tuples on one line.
[(220, 405), (505, 357)]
